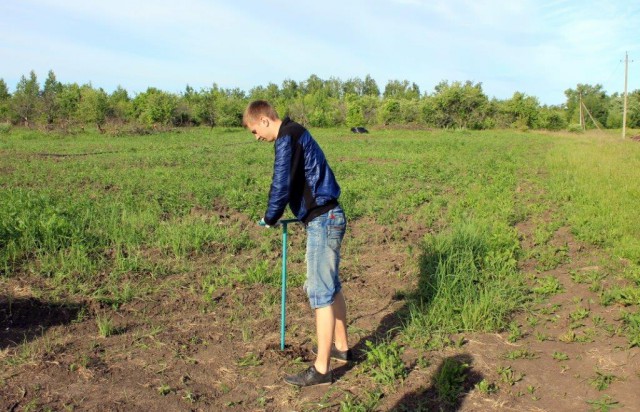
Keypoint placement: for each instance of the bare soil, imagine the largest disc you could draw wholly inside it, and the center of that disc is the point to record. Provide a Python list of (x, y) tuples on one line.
[(176, 351)]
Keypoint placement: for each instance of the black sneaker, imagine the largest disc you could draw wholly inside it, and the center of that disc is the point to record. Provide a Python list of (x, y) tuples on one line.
[(310, 377), (337, 355)]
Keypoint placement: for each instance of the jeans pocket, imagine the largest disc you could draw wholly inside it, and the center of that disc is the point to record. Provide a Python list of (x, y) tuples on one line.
[(335, 233)]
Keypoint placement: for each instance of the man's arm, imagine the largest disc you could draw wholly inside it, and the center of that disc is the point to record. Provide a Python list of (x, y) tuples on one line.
[(279, 192)]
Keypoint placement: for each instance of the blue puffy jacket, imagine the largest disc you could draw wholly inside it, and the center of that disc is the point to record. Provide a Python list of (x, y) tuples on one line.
[(302, 177)]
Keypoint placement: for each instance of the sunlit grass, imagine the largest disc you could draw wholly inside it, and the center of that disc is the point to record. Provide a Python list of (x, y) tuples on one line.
[(123, 210)]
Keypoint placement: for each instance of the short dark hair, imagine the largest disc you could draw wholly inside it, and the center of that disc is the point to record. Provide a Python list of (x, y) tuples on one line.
[(259, 108)]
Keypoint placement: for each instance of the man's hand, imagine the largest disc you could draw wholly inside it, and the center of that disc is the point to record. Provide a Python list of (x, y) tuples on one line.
[(263, 223)]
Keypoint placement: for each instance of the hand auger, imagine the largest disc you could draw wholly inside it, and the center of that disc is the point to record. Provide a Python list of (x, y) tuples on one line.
[(283, 307)]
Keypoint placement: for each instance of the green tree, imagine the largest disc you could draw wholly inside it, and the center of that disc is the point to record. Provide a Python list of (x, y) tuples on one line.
[(68, 102), (120, 105), (370, 107), (50, 101), (333, 88), (296, 110), (5, 99), (4, 91), (370, 87), (93, 106), (185, 108), (594, 99), (521, 111), (25, 99), (633, 109), (552, 118), (390, 112), (312, 85), (428, 111), (410, 111), (205, 107), (230, 106), (461, 105), (320, 104), (155, 107), (354, 86), (318, 108), (397, 89), (290, 90), (355, 111), (271, 93)]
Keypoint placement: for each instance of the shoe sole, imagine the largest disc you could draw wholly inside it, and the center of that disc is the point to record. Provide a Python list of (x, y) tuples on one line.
[(307, 386)]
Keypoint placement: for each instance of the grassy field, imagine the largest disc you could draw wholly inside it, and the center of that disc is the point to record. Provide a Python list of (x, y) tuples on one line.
[(469, 255)]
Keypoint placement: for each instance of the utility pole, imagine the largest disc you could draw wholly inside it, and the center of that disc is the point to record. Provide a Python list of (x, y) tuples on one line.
[(582, 125), (624, 109)]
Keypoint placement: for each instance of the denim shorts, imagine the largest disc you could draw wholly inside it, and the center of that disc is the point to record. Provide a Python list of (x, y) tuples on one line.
[(324, 238)]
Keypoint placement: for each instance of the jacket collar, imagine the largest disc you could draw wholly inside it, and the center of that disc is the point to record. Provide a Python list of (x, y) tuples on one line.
[(285, 122)]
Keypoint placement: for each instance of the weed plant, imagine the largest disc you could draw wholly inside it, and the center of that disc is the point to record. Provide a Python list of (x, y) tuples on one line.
[(105, 325), (384, 363), (602, 380), (367, 403), (449, 380), (486, 387), (604, 404)]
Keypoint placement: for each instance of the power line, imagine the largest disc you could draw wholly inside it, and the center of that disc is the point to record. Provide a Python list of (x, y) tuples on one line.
[(614, 72)]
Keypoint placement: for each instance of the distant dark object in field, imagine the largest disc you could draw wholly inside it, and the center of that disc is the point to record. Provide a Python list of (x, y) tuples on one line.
[(636, 138), (359, 130)]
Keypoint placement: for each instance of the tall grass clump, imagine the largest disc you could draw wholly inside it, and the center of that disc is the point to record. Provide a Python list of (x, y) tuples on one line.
[(468, 281)]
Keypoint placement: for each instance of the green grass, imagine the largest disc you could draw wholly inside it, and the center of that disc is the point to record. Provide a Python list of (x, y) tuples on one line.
[(468, 281), (368, 403), (249, 360), (151, 207), (509, 376), (594, 179), (384, 363), (486, 387), (449, 380), (520, 354), (601, 380), (560, 356), (631, 323), (548, 285), (105, 326), (113, 227), (604, 404)]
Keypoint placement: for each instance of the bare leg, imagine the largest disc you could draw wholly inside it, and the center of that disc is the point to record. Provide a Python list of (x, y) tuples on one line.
[(340, 313), (325, 325)]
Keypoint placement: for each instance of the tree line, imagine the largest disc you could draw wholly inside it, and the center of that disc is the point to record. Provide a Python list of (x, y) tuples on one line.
[(313, 102)]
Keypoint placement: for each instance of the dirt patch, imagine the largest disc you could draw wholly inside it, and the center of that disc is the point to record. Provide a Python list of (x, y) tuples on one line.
[(177, 349)]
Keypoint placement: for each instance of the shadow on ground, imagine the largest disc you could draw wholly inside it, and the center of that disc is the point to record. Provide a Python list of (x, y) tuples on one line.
[(451, 382), (390, 326), (24, 319), (455, 376)]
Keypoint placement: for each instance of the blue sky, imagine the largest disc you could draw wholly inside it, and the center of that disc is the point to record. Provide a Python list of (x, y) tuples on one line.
[(540, 48)]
